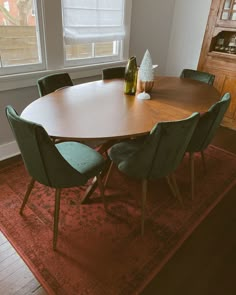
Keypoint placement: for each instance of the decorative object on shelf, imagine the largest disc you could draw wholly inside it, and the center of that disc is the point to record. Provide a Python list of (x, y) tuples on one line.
[(232, 44), (145, 77), (226, 43), (220, 44), (131, 71)]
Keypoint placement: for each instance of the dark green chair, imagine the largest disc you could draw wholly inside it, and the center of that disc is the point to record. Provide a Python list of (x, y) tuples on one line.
[(58, 81), (205, 131), (63, 165), (198, 75), (113, 73), (157, 156), (53, 82)]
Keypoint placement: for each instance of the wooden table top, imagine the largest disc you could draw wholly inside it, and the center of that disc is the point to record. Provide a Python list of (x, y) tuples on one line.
[(101, 110)]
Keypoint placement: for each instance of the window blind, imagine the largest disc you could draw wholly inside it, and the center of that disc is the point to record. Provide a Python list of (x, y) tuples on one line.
[(87, 21)]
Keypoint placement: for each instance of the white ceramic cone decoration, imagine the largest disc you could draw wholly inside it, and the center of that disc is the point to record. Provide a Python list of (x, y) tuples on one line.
[(146, 74)]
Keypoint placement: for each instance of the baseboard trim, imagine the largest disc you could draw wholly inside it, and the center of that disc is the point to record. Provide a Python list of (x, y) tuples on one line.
[(9, 150)]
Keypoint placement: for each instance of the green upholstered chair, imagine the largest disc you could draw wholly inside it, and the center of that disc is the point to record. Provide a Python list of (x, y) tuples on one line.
[(63, 165), (113, 73), (205, 131), (58, 81), (53, 82), (157, 156), (198, 75)]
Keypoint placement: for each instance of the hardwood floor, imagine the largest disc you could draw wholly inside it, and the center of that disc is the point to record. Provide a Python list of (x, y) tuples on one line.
[(15, 276), (204, 265)]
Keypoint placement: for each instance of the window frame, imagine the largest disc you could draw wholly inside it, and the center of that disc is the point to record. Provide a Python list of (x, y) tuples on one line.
[(51, 39), (95, 60)]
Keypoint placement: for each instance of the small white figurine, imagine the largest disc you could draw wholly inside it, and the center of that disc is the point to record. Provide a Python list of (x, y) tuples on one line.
[(146, 76)]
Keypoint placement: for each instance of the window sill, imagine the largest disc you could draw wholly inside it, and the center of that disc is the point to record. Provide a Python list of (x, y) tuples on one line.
[(23, 80)]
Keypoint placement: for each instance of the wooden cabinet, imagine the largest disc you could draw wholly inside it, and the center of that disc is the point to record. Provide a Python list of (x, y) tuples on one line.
[(218, 54)]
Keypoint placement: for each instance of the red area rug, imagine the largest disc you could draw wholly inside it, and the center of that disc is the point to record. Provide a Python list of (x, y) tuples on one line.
[(100, 253)]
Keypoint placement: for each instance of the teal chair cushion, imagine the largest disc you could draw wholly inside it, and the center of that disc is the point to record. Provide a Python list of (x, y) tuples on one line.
[(82, 158)]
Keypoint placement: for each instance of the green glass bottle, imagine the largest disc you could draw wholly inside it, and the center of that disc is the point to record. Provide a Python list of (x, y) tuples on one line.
[(131, 72)]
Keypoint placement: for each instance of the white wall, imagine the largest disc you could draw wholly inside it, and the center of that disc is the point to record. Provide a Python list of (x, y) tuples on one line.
[(172, 30), (188, 28), (150, 29)]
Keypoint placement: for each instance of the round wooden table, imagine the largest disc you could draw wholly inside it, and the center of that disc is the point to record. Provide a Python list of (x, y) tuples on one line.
[(101, 110)]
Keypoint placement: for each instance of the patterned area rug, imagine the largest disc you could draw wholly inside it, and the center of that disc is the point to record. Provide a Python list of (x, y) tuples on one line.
[(104, 253)]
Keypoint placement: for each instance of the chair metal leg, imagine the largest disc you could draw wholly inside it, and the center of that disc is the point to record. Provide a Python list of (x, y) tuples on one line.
[(192, 174), (178, 194), (27, 194), (56, 216), (144, 199)]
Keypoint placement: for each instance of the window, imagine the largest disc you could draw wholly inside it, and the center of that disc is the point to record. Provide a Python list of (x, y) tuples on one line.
[(20, 44), (82, 33), (93, 30), (229, 11)]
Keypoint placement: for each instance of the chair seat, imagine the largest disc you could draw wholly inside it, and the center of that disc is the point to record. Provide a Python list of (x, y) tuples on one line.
[(81, 157), (123, 150)]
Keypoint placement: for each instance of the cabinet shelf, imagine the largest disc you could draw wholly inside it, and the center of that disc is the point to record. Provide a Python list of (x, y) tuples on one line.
[(219, 54)]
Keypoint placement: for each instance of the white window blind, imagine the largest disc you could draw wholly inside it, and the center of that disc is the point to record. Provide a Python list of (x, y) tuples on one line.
[(88, 21)]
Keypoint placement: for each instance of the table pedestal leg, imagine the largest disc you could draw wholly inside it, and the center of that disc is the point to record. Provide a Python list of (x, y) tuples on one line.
[(91, 188)]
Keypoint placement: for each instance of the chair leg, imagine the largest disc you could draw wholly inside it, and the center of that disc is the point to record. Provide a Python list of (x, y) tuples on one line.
[(178, 194), (191, 155), (171, 186), (108, 174), (101, 188), (203, 160), (144, 199), (27, 194), (56, 217), (94, 184)]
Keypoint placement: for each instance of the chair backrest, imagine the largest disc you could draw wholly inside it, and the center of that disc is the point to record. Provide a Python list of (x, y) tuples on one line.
[(113, 73), (41, 157), (208, 124), (162, 151), (198, 75), (53, 82)]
